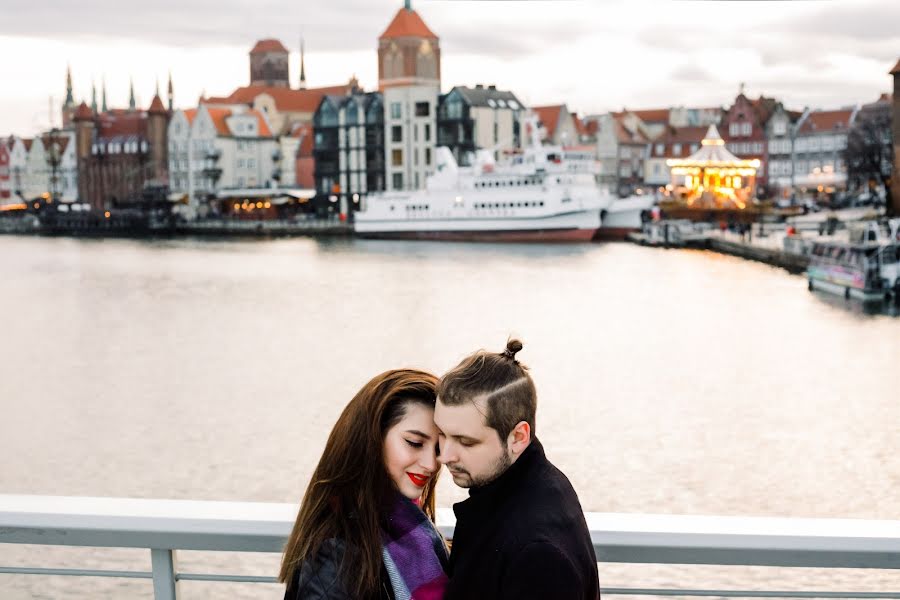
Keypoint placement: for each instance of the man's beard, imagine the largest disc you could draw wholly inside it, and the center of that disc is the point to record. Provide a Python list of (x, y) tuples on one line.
[(499, 467)]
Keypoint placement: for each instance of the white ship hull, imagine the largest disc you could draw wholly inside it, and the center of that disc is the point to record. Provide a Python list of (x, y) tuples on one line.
[(624, 216)]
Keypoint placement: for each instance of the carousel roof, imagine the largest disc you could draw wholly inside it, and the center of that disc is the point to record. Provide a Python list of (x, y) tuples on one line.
[(712, 153)]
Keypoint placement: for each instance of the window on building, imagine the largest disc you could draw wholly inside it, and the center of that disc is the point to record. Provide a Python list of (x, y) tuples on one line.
[(427, 157), (415, 132), (416, 158), (427, 132), (780, 128), (397, 158), (746, 128), (422, 109), (734, 129), (396, 110), (251, 163), (240, 163), (660, 149), (496, 133), (396, 133), (676, 149), (397, 179)]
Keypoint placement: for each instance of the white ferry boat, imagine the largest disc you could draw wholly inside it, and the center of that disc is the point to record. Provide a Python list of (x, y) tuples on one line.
[(546, 193)]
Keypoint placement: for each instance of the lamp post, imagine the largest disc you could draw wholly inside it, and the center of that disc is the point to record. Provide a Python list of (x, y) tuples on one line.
[(53, 160)]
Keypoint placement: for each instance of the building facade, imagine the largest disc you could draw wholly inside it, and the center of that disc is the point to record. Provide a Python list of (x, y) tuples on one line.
[(481, 117), (349, 150), (120, 152), (819, 144), (674, 142), (744, 131), (212, 149)]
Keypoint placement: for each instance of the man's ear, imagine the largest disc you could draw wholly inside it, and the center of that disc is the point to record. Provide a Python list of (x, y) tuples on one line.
[(519, 438)]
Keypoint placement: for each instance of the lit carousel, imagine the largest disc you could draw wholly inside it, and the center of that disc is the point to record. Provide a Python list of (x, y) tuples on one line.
[(712, 177)]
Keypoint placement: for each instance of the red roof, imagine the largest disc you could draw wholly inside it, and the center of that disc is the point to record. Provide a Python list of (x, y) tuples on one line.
[(83, 113), (122, 122), (27, 142), (407, 23), (896, 69), (827, 120), (304, 131), (286, 99), (156, 106), (549, 117), (679, 135), (268, 46), (220, 116), (624, 135), (653, 115), (62, 141)]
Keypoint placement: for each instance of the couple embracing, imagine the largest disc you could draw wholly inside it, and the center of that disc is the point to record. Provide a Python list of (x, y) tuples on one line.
[(366, 530)]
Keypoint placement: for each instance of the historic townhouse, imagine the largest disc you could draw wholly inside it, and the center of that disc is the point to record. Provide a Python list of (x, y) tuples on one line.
[(674, 142), (818, 149), (349, 150), (781, 130), (744, 131), (18, 158), (479, 117), (212, 148), (558, 124)]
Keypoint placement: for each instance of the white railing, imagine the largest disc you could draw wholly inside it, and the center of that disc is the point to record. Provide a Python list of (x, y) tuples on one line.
[(165, 526)]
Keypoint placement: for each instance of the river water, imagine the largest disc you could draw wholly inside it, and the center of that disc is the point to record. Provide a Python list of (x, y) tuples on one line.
[(680, 382)]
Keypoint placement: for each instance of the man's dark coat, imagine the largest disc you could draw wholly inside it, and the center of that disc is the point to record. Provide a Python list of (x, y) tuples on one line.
[(523, 536)]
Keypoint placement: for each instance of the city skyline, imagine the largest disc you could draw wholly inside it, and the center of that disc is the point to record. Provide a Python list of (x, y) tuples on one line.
[(593, 56)]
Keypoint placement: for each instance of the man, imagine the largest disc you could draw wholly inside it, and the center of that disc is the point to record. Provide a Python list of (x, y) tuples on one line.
[(521, 534)]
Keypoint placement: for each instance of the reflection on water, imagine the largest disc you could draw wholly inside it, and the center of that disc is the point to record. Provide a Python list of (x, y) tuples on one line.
[(669, 381)]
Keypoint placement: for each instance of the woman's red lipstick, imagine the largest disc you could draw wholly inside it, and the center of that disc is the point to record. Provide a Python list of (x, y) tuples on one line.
[(418, 480)]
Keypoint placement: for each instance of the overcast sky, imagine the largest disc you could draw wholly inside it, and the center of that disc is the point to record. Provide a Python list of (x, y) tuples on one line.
[(593, 55)]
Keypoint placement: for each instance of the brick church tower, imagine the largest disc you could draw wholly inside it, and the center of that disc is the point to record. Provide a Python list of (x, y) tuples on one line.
[(269, 64), (409, 53)]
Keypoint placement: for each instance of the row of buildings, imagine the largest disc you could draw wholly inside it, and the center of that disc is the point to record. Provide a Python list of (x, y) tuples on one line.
[(330, 146)]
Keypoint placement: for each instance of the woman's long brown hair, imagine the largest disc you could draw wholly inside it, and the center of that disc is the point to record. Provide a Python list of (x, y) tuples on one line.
[(350, 489)]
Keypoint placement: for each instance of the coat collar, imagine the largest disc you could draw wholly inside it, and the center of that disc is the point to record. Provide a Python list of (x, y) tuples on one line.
[(496, 491)]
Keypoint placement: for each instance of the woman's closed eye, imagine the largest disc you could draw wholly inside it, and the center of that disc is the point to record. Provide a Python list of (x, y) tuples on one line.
[(414, 444)]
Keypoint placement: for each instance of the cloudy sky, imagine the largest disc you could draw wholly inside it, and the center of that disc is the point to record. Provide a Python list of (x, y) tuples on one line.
[(594, 55)]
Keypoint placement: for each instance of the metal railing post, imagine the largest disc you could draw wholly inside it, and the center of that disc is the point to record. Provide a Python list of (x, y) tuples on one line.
[(164, 585)]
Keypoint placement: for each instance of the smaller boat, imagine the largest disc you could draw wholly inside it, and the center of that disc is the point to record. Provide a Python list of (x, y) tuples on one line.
[(866, 267)]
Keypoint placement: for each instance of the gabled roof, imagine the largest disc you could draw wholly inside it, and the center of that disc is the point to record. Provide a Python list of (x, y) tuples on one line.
[(286, 99), (896, 69), (764, 107), (27, 142), (827, 120), (407, 23), (549, 117), (220, 117), (270, 45), (653, 115), (304, 131), (61, 140), (83, 113), (625, 135), (479, 96)]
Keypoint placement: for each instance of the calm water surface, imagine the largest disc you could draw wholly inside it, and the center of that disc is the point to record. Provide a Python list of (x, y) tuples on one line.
[(668, 381)]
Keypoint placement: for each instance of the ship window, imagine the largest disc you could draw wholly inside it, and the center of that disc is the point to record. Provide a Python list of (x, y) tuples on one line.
[(541, 203)]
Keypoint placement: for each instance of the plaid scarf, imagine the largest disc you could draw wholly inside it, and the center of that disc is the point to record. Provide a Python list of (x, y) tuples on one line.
[(414, 553)]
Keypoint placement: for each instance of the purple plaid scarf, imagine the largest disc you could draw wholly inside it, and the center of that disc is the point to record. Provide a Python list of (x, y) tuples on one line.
[(414, 553)]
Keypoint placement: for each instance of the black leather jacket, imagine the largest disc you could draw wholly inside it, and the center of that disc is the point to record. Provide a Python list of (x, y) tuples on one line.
[(317, 578)]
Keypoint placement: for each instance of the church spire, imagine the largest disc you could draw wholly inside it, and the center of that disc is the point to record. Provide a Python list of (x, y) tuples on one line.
[(93, 97), (171, 92), (302, 67), (104, 108), (70, 100), (131, 102)]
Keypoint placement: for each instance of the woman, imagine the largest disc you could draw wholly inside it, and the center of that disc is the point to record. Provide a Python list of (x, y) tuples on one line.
[(365, 527)]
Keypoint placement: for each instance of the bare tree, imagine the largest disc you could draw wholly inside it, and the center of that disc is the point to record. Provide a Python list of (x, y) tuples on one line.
[(869, 155)]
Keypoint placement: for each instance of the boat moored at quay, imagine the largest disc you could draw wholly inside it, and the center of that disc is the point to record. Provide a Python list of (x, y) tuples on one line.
[(544, 193), (867, 267)]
